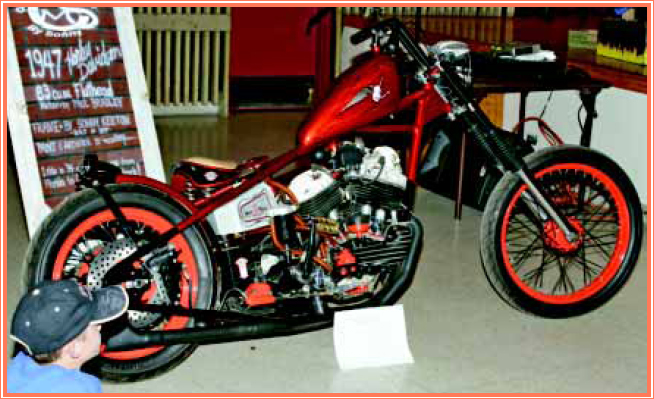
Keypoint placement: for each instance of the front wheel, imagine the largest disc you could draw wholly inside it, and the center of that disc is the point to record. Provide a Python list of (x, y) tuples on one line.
[(526, 257), (80, 239)]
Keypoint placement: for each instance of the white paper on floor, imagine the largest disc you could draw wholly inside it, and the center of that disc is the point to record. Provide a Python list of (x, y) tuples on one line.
[(372, 337)]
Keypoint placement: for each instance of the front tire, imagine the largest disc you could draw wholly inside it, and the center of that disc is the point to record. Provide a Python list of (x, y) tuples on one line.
[(528, 261), (77, 231)]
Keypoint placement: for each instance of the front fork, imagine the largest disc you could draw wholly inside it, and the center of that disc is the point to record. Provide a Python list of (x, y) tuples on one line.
[(545, 204), (504, 155), (466, 109)]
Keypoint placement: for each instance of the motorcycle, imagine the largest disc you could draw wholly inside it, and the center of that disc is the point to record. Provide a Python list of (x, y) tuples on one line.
[(274, 247)]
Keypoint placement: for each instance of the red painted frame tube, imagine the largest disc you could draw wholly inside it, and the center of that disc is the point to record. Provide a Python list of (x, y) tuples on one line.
[(201, 209), (268, 169), (414, 152), (386, 129), (420, 100)]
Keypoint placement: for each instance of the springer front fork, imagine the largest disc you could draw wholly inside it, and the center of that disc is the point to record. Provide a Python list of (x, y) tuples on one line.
[(535, 198), (466, 109)]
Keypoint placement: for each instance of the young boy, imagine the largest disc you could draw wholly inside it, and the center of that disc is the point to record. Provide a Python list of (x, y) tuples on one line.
[(58, 325)]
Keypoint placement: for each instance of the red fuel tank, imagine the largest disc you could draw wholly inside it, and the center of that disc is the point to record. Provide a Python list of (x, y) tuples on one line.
[(361, 95)]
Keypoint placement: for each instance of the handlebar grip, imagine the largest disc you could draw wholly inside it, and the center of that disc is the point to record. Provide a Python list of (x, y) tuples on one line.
[(361, 36), (365, 34)]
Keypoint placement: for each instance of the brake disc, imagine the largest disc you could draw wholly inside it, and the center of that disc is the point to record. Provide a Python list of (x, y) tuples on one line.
[(114, 253)]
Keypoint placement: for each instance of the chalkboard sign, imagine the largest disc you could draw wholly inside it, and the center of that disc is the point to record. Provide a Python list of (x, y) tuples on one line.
[(72, 82)]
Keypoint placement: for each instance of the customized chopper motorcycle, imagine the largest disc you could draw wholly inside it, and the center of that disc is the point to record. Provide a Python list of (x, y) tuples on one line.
[(273, 247)]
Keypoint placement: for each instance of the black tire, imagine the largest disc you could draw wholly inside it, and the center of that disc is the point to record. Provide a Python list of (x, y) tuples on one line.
[(55, 243), (531, 267)]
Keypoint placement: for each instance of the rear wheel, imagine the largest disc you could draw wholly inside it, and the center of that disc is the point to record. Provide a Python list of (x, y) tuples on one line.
[(531, 264), (79, 240)]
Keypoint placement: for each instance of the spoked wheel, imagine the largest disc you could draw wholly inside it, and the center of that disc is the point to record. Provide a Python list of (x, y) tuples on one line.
[(82, 240), (528, 259)]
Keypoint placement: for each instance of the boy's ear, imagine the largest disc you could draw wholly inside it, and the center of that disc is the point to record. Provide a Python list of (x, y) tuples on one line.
[(73, 349)]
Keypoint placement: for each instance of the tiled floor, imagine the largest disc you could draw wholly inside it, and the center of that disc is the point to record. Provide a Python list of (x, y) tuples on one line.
[(463, 338)]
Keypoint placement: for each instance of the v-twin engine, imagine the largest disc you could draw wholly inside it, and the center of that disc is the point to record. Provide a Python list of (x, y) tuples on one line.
[(339, 233)]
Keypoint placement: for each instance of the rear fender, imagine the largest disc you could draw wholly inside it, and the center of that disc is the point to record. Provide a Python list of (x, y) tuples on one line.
[(159, 186), (94, 172)]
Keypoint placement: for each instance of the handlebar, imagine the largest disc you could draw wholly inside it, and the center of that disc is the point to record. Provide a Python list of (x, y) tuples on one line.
[(398, 29), (366, 33)]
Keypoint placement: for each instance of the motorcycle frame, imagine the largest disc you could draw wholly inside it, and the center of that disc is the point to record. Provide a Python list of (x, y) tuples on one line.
[(429, 104), (423, 100)]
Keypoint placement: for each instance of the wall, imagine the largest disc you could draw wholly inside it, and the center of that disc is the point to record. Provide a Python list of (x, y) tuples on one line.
[(272, 41), (620, 130)]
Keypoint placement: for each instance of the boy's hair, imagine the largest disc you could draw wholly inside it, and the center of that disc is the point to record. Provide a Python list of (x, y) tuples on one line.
[(47, 358), (51, 357)]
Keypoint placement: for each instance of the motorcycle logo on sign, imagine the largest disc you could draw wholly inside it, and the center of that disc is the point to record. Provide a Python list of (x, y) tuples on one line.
[(63, 19)]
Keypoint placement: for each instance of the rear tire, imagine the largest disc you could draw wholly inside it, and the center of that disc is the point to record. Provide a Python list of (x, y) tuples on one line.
[(82, 223), (530, 265)]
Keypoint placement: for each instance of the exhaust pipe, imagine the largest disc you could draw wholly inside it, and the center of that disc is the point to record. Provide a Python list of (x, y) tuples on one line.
[(408, 271), (130, 339)]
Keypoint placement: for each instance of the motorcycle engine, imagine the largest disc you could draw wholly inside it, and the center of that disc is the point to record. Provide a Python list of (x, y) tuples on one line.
[(368, 177), (346, 234)]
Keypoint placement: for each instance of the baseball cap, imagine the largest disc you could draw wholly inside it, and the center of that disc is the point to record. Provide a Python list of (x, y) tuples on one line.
[(55, 312)]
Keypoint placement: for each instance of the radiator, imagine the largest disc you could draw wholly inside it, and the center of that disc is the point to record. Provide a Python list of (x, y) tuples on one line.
[(185, 55)]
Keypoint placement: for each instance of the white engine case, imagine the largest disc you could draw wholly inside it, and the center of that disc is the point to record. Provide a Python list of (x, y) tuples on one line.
[(383, 165), (248, 211), (308, 184)]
